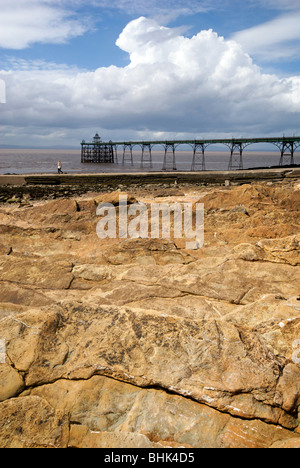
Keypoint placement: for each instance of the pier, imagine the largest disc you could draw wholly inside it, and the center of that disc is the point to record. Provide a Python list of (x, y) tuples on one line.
[(98, 151)]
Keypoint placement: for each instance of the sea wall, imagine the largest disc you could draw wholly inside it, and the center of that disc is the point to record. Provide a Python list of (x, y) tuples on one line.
[(205, 177), (14, 188)]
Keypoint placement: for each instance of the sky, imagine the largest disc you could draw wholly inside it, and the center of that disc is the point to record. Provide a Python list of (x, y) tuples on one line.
[(147, 70)]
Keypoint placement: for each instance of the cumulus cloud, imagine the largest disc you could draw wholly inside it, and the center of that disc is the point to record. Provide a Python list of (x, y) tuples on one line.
[(198, 86)]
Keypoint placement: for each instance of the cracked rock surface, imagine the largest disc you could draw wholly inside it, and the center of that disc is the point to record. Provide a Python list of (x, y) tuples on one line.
[(142, 343)]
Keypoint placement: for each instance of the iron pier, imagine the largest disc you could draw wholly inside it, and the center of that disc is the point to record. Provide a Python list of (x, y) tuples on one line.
[(98, 151)]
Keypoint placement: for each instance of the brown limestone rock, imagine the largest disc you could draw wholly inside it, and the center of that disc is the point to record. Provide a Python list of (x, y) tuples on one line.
[(107, 413), (142, 343)]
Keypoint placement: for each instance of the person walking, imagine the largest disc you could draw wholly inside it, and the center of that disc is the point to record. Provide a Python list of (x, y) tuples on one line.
[(59, 168)]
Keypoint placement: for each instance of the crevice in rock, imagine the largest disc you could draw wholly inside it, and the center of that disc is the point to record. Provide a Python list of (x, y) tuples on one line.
[(158, 387)]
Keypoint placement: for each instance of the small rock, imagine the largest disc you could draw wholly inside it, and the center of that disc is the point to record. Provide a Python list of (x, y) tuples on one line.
[(239, 209)]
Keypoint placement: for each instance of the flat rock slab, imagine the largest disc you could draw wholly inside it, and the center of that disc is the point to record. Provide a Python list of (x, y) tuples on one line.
[(142, 343)]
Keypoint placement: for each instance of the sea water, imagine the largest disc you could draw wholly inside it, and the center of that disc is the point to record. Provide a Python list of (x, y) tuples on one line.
[(28, 161)]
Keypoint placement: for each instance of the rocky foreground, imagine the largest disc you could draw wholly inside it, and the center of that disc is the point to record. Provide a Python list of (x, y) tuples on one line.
[(142, 343)]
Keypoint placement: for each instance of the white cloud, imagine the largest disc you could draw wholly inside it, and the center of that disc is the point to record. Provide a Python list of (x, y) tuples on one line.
[(157, 7), (25, 22), (173, 84), (273, 40), (2, 92)]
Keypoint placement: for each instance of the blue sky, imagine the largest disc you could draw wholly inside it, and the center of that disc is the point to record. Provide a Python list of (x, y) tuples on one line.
[(147, 69)]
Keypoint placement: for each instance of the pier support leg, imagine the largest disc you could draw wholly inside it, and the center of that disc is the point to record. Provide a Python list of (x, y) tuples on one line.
[(115, 149), (287, 154), (146, 156), (236, 156), (169, 158), (198, 162), (126, 156)]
